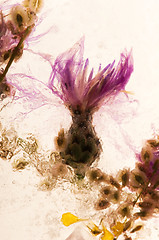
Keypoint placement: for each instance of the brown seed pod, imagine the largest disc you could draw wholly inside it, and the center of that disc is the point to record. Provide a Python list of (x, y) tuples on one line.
[(146, 205), (153, 143), (102, 204), (105, 191), (114, 182), (155, 166), (156, 184), (114, 197), (146, 154), (123, 177), (124, 210), (137, 228), (96, 175), (143, 214), (128, 238), (138, 179), (59, 170), (127, 225), (154, 195), (60, 140)]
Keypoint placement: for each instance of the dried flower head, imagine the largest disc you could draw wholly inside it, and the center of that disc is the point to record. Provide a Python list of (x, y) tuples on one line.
[(87, 94), (83, 96), (15, 27), (22, 17)]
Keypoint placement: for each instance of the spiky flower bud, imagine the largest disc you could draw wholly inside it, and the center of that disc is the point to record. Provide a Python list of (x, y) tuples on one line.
[(83, 96)]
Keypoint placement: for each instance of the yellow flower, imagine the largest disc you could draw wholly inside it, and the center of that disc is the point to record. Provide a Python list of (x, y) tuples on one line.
[(106, 234), (68, 219), (118, 229)]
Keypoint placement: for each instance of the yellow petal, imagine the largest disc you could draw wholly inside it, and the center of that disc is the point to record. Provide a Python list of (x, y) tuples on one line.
[(68, 219), (118, 229), (106, 234)]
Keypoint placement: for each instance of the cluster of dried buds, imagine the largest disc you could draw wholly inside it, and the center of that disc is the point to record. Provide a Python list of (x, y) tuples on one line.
[(16, 24), (131, 196)]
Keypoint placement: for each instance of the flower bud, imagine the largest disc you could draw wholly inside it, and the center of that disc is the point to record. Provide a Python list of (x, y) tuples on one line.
[(19, 17), (137, 179)]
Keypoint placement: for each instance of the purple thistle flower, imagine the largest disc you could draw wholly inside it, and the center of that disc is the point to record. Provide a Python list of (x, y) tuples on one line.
[(83, 95), (77, 90)]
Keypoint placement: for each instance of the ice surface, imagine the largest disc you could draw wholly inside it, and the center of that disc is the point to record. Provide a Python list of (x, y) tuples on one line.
[(26, 212)]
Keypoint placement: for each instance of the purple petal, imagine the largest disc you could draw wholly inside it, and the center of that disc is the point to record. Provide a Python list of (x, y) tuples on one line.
[(112, 83), (68, 79), (64, 73)]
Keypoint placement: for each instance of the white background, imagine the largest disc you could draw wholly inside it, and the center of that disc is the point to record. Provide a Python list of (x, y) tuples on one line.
[(109, 27)]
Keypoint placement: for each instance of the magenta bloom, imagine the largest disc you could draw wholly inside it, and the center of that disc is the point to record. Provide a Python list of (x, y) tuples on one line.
[(87, 93)]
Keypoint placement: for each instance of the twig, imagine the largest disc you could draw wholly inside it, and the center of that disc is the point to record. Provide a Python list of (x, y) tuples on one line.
[(14, 53)]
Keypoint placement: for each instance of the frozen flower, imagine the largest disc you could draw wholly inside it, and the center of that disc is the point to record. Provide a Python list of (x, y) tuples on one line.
[(83, 96), (83, 93)]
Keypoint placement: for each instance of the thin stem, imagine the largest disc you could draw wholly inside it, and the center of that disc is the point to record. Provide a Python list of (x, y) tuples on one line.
[(144, 188), (14, 53), (139, 196)]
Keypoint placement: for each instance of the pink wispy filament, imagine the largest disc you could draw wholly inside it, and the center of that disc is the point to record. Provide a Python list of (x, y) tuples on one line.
[(69, 79)]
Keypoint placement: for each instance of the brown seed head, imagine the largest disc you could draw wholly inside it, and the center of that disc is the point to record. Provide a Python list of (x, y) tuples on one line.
[(102, 204)]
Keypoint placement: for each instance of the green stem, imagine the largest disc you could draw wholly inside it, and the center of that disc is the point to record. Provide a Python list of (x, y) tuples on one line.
[(14, 53)]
